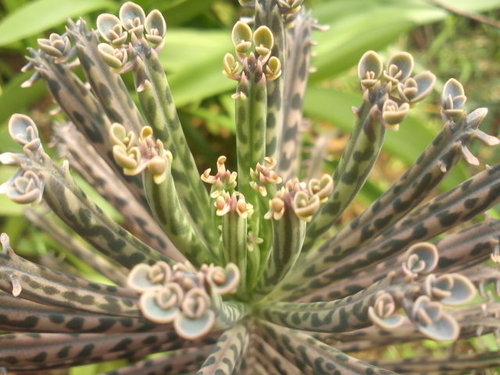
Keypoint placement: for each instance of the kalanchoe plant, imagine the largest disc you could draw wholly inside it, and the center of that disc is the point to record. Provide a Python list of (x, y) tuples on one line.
[(241, 272)]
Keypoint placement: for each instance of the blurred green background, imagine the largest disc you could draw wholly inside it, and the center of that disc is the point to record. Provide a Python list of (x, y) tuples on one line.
[(447, 43)]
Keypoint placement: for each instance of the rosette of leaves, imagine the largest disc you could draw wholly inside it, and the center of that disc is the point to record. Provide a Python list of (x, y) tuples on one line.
[(238, 272)]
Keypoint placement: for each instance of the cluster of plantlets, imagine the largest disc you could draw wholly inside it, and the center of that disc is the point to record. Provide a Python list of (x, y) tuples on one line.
[(248, 276)]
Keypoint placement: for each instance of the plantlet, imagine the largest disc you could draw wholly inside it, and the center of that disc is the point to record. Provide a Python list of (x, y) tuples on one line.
[(249, 275)]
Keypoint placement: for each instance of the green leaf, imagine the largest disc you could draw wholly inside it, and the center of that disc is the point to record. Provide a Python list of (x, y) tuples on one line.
[(360, 25), (222, 120), (40, 15), (194, 60), (15, 99), (8, 207), (11, 5), (338, 51), (178, 12)]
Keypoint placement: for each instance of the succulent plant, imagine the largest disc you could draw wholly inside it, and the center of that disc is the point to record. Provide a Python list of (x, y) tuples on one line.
[(241, 272)]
